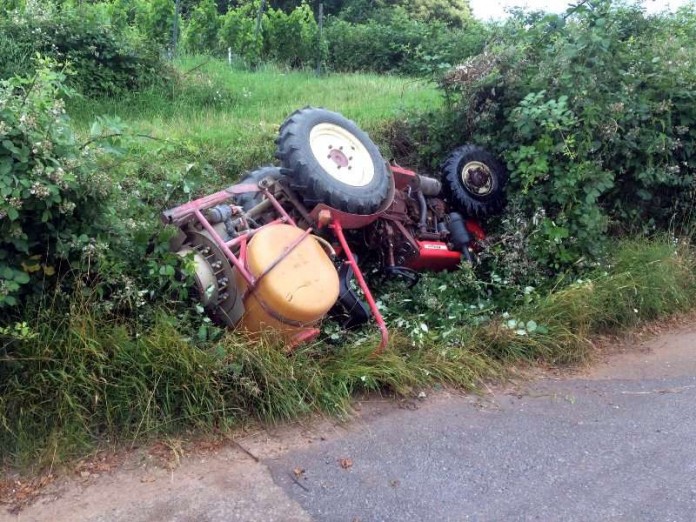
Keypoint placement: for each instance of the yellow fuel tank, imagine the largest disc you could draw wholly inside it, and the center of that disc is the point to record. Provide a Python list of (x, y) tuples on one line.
[(297, 292)]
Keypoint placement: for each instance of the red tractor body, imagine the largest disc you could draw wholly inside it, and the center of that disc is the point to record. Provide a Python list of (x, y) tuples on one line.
[(313, 217)]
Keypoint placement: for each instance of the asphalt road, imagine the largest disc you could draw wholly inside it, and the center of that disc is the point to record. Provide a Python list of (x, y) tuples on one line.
[(617, 443)]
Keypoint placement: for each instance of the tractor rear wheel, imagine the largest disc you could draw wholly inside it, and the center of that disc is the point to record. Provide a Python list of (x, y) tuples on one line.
[(331, 161), (474, 181)]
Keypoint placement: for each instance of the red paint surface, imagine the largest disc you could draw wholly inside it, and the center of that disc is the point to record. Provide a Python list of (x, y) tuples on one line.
[(434, 255), (402, 177), (474, 228)]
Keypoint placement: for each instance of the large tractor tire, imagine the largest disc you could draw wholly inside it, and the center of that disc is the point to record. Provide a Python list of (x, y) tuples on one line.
[(331, 161), (474, 181)]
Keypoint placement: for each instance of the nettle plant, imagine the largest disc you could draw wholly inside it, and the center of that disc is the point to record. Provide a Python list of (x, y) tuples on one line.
[(51, 193)]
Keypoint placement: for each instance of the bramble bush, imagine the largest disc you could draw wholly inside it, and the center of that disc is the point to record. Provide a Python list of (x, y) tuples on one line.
[(51, 193), (67, 223), (397, 43), (593, 112), (105, 59)]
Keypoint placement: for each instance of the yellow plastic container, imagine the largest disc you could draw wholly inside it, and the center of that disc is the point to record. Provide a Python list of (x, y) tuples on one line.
[(297, 292)]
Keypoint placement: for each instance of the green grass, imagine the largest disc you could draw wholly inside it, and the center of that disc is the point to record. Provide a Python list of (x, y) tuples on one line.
[(70, 386), (72, 381), (231, 116)]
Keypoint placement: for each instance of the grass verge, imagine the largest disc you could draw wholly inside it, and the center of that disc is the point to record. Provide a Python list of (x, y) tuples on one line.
[(66, 388)]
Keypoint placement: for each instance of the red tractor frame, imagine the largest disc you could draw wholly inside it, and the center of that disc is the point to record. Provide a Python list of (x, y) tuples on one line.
[(405, 223)]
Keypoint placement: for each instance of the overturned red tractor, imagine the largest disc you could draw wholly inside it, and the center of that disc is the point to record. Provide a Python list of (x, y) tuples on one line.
[(279, 249)]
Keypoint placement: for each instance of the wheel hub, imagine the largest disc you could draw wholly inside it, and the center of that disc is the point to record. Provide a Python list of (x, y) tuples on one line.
[(341, 155), (339, 158), (477, 178)]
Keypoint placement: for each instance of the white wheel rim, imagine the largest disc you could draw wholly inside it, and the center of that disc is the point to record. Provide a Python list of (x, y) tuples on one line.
[(477, 178), (341, 155)]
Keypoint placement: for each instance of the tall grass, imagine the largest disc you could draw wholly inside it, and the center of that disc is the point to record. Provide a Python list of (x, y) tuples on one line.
[(69, 386), (231, 116)]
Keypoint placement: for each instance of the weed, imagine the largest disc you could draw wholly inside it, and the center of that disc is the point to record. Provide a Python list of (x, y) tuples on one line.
[(68, 385)]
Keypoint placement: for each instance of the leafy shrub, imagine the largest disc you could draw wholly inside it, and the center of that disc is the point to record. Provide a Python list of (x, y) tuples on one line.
[(291, 39), (63, 224), (122, 13), (454, 13), (154, 20), (398, 43), (238, 32), (201, 32), (104, 60), (51, 193), (592, 112)]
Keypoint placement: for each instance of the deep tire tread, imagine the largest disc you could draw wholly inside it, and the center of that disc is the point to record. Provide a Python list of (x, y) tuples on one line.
[(465, 201), (296, 158)]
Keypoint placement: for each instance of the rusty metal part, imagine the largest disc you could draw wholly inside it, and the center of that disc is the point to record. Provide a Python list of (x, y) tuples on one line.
[(225, 303), (290, 195), (390, 244), (438, 207), (183, 213)]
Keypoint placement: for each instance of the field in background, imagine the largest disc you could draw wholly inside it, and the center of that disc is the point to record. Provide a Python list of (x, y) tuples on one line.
[(232, 116)]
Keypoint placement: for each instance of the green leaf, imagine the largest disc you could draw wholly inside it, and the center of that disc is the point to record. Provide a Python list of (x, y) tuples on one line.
[(21, 278), (5, 166), (166, 270)]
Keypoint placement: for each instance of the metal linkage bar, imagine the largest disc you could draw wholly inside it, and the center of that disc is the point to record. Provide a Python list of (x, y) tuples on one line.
[(178, 214), (335, 225), (238, 264), (278, 206), (244, 238)]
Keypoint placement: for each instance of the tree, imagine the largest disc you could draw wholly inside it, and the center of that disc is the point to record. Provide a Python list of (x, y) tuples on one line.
[(455, 13), (155, 19), (201, 32)]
